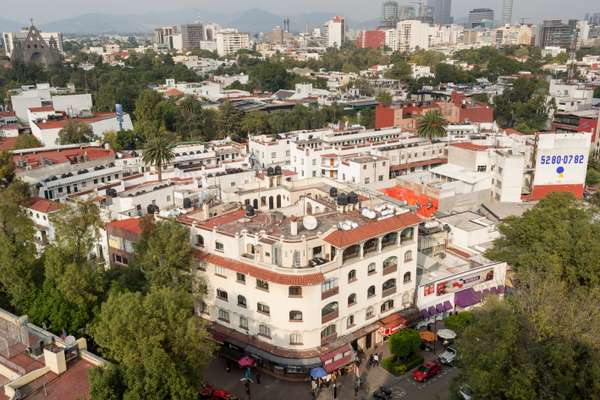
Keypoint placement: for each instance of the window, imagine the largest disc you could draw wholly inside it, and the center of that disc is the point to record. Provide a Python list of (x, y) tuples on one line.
[(328, 284), (314, 161), (263, 309), (328, 331), (220, 271), (367, 181), (371, 291), (264, 330), (296, 338), (199, 241), (295, 291), (371, 269), (370, 313), (390, 262), (273, 155), (387, 306), (352, 276), (380, 178), (481, 168), (223, 315), (295, 315), (221, 294), (314, 174), (408, 256), (219, 246), (365, 166), (352, 300), (350, 321), (407, 235), (241, 278), (243, 323), (389, 284), (242, 301), (407, 277), (262, 285)]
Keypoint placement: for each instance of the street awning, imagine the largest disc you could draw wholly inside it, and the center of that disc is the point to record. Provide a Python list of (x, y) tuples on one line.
[(392, 324), (466, 298), (448, 306), (304, 362), (432, 311), (427, 336), (338, 358), (425, 313), (440, 308)]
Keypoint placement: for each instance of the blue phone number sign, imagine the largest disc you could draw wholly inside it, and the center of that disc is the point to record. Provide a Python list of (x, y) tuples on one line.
[(566, 159)]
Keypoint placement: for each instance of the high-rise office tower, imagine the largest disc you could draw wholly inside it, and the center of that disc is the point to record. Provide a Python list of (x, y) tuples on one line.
[(442, 11), (192, 35), (507, 10), (389, 14), (481, 17)]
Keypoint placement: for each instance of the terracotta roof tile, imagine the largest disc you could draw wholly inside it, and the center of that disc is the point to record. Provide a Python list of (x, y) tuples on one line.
[(341, 238), (260, 273), (7, 143), (59, 124), (41, 109), (470, 146), (223, 219), (131, 225), (42, 205)]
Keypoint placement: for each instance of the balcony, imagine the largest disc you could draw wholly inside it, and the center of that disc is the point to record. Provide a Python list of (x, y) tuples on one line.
[(325, 340), (388, 292), (330, 292), (330, 316), (390, 269)]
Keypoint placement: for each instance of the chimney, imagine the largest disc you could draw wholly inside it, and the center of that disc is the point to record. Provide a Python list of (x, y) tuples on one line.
[(54, 358), (294, 225)]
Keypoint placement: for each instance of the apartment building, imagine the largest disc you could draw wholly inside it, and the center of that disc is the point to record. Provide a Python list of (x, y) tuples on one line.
[(230, 41)]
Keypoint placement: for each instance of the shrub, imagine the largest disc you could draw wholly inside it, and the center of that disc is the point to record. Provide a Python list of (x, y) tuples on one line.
[(397, 367), (404, 343), (458, 322)]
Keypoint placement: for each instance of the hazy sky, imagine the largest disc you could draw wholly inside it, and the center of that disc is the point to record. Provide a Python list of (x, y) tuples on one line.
[(48, 10)]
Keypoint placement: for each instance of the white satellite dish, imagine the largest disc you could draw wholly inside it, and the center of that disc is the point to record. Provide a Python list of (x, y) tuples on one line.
[(70, 341), (310, 223)]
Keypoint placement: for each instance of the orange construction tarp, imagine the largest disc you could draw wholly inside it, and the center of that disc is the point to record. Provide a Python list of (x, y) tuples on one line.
[(426, 206)]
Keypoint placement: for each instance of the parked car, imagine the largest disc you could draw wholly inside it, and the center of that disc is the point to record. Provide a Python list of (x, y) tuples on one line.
[(383, 393), (448, 357), (208, 392), (465, 392), (427, 371)]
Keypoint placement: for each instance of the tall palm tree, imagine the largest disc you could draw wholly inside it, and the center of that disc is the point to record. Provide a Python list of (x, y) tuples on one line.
[(431, 125), (158, 152)]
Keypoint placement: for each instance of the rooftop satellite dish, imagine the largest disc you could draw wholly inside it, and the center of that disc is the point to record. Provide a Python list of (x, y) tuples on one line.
[(310, 223), (70, 341)]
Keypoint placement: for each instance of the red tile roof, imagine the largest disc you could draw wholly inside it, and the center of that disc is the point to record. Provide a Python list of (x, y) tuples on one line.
[(7, 143), (41, 109), (223, 219), (63, 156), (260, 273), (174, 92), (131, 225), (43, 205), (470, 146), (7, 114), (416, 164), (74, 384), (59, 124), (341, 238)]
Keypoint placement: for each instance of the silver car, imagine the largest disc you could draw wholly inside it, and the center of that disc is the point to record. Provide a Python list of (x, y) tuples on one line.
[(448, 357)]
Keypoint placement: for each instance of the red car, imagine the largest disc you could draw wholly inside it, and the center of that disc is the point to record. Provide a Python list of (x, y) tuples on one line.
[(427, 371), (210, 393)]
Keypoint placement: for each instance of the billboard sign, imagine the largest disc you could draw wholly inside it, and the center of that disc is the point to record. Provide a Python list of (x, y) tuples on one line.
[(561, 159)]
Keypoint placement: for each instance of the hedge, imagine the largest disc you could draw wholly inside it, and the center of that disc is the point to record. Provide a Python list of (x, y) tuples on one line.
[(398, 368)]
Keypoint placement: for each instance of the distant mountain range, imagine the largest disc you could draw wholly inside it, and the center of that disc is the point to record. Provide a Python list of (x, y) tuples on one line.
[(253, 20)]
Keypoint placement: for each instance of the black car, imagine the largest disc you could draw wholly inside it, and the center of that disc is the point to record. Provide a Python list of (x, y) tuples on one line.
[(383, 393)]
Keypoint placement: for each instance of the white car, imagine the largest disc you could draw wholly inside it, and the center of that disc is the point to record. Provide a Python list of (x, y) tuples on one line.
[(448, 357), (466, 392)]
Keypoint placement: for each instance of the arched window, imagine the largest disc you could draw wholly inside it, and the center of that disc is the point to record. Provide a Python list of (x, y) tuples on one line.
[(242, 301), (370, 313), (406, 299), (278, 201), (352, 276), (255, 203), (199, 241), (390, 262), (371, 291), (407, 277), (329, 308), (328, 331), (408, 256), (352, 299), (350, 321), (295, 291), (222, 294), (351, 252), (250, 248), (407, 235), (372, 268), (389, 240), (271, 205), (389, 284), (387, 306), (370, 246), (295, 315)]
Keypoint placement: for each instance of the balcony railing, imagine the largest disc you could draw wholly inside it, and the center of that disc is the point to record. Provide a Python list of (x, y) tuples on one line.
[(330, 316), (388, 292), (390, 269), (330, 292), (328, 339)]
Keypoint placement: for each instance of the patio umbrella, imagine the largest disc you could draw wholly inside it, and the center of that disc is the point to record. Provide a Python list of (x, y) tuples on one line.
[(246, 361), (447, 334), (318, 372)]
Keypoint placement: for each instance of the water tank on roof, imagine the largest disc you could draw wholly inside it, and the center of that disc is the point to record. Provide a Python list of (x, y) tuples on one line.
[(270, 171), (187, 202), (352, 198), (333, 192), (342, 199), (152, 209), (278, 170), (250, 211), (111, 192)]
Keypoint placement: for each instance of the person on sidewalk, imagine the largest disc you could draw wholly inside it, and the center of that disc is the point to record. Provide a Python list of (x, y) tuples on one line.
[(314, 387), (258, 376), (376, 359), (334, 390)]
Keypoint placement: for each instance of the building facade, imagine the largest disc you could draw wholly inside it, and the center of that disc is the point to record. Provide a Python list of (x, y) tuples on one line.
[(33, 46)]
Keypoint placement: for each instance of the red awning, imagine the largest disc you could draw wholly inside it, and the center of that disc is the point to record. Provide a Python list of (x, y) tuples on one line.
[(338, 358), (392, 324)]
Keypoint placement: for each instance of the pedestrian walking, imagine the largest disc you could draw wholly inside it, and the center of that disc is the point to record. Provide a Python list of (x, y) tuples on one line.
[(258, 376), (376, 359), (228, 366), (334, 391), (314, 386)]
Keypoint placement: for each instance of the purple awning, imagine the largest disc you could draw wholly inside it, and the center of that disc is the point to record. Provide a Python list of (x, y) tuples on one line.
[(466, 298), (425, 314), (447, 306), (500, 289), (494, 290), (432, 311), (440, 308)]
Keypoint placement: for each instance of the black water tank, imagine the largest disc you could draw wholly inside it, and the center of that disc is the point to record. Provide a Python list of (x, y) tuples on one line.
[(111, 192), (342, 199), (270, 171), (352, 198), (249, 211), (152, 209), (187, 202), (278, 170), (333, 192)]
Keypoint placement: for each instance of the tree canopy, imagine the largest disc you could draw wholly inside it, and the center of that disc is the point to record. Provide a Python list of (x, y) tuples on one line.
[(431, 125), (76, 132), (523, 106)]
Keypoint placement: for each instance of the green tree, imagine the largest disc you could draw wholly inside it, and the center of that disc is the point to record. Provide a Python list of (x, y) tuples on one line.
[(164, 254), (385, 98), (400, 70), (76, 132), (270, 76), (26, 141), (524, 106), (161, 352), (404, 344), (229, 120), (427, 58), (255, 123), (459, 322), (7, 168), (431, 125), (597, 92), (158, 152), (148, 114), (367, 118), (106, 383)]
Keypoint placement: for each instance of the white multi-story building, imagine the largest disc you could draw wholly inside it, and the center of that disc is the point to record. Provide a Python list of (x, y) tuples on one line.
[(412, 35), (334, 31), (168, 38), (570, 97), (230, 41), (391, 39)]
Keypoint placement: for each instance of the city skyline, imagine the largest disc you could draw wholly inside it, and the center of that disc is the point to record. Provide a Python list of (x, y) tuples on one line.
[(533, 11)]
